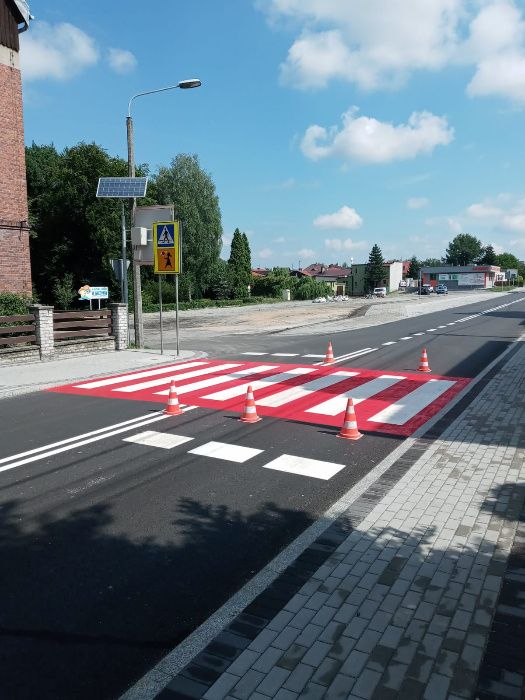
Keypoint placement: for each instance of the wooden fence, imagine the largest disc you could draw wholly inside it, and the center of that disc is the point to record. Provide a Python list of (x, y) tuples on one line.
[(17, 330), (81, 324)]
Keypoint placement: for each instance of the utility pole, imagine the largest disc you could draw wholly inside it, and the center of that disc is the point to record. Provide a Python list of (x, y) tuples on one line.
[(137, 287)]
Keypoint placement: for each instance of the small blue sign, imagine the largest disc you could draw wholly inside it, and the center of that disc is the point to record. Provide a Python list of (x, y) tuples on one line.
[(166, 235)]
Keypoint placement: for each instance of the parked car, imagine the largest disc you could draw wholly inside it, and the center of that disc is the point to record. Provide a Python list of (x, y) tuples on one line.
[(427, 289), (319, 300), (380, 292), (442, 289)]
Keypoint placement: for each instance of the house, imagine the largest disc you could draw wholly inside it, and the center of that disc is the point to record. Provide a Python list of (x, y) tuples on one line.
[(260, 271), (334, 275), (393, 274), (15, 267), (461, 276)]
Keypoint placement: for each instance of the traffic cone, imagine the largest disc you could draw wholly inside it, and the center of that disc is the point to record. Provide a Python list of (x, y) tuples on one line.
[(329, 355), (423, 362), (349, 430), (250, 412), (172, 407)]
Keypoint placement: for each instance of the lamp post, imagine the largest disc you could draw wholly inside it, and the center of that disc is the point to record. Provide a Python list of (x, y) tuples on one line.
[(137, 291), (352, 274)]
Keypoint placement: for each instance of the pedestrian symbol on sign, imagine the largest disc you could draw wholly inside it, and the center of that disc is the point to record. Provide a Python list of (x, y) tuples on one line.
[(166, 237)]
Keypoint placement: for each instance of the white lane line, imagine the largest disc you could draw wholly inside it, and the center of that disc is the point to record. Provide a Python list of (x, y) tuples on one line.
[(410, 405), (260, 384), (138, 375), (305, 467), (406, 337), (298, 392), (430, 330), (177, 377), (254, 353), (390, 342), (344, 358), (67, 441), (80, 443), (451, 324), (284, 354), (213, 381), (316, 356), (441, 326), (337, 404), (419, 334), (222, 450), (152, 438)]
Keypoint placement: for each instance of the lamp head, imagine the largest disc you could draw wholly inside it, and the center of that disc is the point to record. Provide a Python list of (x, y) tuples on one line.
[(187, 84)]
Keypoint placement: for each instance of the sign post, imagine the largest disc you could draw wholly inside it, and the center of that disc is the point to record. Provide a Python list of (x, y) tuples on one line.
[(167, 261)]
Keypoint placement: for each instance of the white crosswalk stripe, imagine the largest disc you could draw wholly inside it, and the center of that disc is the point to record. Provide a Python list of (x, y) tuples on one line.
[(214, 381), (177, 377), (410, 405), (337, 404), (138, 375), (298, 392), (260, 384)]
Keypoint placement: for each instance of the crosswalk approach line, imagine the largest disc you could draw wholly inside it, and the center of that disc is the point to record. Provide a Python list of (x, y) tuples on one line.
[(411, 404), (298, 392), (259, 384), (109, 381)]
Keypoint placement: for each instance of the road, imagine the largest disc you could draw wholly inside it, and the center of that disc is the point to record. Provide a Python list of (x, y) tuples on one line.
[(113, 551)]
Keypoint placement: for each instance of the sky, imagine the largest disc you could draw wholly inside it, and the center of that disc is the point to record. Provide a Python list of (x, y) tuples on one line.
[(326, 125)]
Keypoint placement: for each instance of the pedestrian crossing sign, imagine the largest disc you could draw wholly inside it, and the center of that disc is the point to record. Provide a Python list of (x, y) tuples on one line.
[(166, 244)]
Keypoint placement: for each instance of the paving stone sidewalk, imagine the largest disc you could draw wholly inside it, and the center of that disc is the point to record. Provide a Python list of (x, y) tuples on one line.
[(417, 592)]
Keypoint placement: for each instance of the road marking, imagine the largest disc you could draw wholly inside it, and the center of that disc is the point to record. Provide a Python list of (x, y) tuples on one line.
[(137, 375), (213, 381), (337, 404), (298, 392), (254, 353), (67, 441), (316, 356), (305, 467), (284, 354), (430, 330), (260, 384), (131, 388), (152, 438), (350, 356), (390, 342), (410, 405), (406, 337), (451, 324), (419, 334), (222, 450), (441, 326)]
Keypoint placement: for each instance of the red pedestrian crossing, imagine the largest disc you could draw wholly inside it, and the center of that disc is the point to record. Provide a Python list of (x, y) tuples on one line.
[(389, 402)]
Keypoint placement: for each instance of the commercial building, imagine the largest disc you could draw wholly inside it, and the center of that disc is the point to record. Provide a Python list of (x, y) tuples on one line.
[(461, 276), (15, 268)]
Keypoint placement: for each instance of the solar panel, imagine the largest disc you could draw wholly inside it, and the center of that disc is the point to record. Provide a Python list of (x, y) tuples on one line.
[(122, 186)]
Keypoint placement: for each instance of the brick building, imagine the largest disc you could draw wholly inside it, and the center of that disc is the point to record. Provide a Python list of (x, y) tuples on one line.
[(15, 268)]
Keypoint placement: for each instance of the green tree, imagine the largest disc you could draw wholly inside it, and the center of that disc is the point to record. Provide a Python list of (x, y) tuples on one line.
[(414, 268), (464, 249), (240, 264), (64, 292), (507, 261), (489, 256), (72, 231), (375, 269), (431, 262), (192, 192)]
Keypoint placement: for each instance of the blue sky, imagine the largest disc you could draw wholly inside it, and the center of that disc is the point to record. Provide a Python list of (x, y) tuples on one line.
[(327, 125)]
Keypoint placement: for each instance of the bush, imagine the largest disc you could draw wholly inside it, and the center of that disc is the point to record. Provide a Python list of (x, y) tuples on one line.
[(13, 304)]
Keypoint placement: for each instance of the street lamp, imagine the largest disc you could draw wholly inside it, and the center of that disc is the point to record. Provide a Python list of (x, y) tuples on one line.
[(352, 274), (137, 295)]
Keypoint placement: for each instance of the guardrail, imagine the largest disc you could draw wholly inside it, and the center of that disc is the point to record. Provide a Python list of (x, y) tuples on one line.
[(15, 330)]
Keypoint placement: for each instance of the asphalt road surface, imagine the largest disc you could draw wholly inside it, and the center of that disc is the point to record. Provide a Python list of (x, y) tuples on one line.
[(113, 550)]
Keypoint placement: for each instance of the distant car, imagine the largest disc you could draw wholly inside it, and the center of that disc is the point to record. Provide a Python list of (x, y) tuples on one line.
[(319, 300), (427, 289), (442, 289), (380, 292)]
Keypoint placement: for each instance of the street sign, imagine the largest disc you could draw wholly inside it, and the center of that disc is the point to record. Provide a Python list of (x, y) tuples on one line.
[(166, 247), (87, 292)]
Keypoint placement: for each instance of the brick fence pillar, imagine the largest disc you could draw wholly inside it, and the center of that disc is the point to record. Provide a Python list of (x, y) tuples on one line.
[(119, 322), (44, 330)]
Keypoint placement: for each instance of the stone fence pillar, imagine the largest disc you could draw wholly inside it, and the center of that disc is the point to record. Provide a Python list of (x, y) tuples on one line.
[(44, 330), (119, 322)]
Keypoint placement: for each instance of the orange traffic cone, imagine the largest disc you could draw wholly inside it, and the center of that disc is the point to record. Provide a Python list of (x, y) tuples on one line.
[(250, 412), (329, 355), (423, 362), (349, 430), (172, 407)]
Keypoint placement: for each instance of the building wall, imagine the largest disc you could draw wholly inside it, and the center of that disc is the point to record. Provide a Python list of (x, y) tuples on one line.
[(395, 275), (15, 269)]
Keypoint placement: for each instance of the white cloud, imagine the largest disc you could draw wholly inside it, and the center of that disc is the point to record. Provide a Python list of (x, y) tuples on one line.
[(121, 61), (306, 253), (378, 44), (417, 202), (514, 222), (368, 140), (483, 211), (265, 253), (58, 52), (344, 218), (281, 239), (346, 244), (226, 240)]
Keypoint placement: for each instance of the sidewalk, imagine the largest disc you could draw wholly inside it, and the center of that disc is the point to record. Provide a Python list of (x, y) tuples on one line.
[(25, 377), (415, 590)]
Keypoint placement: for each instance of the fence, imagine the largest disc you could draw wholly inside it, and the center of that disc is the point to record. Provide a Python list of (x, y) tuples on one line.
[(45, 333)]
